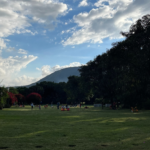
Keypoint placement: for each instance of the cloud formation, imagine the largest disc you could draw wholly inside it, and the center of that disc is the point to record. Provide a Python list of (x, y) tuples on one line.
[(17, 15), (22, 51), (46, 70), (15, 18), (2, 44), (83, 3), (23, 80), (9, 67), (107, 20)]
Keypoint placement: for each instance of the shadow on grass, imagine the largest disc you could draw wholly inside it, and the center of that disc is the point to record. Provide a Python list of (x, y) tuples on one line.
[(72, 145), (38, 146), (4, 147)]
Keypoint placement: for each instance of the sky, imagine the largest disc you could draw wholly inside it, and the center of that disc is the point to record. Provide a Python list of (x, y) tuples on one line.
[(39, 37)]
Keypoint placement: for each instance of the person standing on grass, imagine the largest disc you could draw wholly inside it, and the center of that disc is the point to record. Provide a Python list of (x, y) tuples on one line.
[(58, 105), (39, 107), (31, 105)]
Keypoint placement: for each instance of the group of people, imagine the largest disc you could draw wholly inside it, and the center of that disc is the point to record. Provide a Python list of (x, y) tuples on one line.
[(58, 104), (65, 107), (62, 106), (76, 105), (33, 105), (113, 106), (18, 105)]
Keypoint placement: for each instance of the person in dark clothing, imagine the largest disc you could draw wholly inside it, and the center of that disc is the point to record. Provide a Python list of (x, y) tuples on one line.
[(114, 105), (58, 105)]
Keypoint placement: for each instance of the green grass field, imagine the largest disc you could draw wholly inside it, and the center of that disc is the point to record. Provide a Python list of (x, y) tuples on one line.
[(77, 129)]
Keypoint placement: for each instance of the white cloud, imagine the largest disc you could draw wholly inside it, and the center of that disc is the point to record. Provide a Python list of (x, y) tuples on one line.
[(22, 51), (38, 69), (46, 70), (107, 21), (2, 71), (2, 44), (17, 15), (83, 3), (73, 46), (88, 46), (9, 67), (23, 80), (28, 31), (71, 30), (113, 3), (20, 81)]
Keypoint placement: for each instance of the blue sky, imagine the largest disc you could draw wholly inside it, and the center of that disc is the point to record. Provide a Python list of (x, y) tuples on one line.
[(39, 37)]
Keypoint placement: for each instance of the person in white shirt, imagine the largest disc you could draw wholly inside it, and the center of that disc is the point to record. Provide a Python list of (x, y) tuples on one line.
[(31, 105)]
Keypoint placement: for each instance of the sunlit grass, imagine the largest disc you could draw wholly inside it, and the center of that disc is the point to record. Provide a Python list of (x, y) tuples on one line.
[(30, 134), (82, 129)]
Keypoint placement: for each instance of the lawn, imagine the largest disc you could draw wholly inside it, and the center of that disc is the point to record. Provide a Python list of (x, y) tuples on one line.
[(77, 129)]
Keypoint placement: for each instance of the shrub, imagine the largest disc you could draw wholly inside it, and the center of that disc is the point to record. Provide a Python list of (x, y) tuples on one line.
[(12, 97), (34, 97)]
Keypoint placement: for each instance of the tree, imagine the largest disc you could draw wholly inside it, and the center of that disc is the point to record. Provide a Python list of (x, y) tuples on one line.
[(13, 98), (3, 97), (122, 73), (23, 90), (34, 97), (13, 90), (37, 89), (21, 99)]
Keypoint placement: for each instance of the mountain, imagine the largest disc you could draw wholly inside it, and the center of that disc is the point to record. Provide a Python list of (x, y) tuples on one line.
[(59, 76)]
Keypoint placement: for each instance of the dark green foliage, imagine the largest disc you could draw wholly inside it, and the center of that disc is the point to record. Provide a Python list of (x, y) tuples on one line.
[(3, 97), (13, 90), (20, 98), (122, 74)]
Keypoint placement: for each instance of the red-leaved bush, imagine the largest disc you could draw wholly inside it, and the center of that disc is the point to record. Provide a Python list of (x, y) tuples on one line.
[(34, 97), (12, 97)]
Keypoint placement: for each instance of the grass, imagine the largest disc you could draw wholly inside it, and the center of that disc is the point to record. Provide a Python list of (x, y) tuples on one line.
[(77, 129)]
